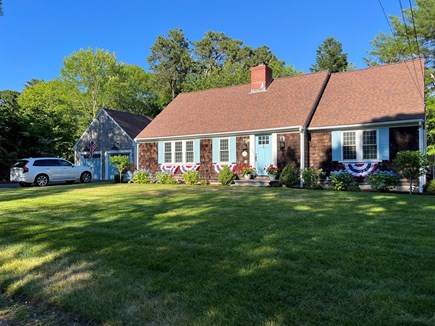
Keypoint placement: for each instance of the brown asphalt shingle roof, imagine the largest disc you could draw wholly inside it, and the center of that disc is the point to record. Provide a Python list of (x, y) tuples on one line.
[(131, 123), (287, 102), (377, 94)]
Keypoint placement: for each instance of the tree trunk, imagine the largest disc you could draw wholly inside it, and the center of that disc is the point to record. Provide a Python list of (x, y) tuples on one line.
[(410, 185)]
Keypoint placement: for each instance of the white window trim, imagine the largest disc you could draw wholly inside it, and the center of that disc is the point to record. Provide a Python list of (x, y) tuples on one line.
[(359, 146), (183, 147), (229, 150)]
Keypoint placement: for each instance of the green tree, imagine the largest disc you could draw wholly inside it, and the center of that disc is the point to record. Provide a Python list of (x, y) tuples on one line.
[(90, 72), (223, 61), (55, 117), (171, 61), (415, 35), (330, 57), (130, 90), (411, 165), (10, 130), (121, 163)]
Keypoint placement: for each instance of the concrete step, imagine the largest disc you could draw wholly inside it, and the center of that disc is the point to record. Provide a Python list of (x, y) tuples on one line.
[(257, 182)]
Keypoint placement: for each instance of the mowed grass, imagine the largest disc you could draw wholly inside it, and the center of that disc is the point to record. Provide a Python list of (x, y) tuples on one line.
[(190, 255)]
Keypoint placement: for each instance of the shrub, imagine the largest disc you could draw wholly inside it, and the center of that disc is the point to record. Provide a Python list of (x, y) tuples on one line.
[(165, 178), (226, 176), (141, 176), (431, 187), (383, 180), (343, 181), (311, 178), (204, 182), (289, 176), (191, 177)]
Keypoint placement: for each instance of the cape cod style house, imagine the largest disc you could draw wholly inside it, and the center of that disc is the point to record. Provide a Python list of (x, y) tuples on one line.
[(355, 120), (110, 133)]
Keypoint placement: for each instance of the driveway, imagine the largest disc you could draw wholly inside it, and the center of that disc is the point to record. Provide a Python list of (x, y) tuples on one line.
[(9, 185)]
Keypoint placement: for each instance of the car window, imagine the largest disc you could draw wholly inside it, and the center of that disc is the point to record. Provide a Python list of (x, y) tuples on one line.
[(53, 162), (65, 163), (20, 164)]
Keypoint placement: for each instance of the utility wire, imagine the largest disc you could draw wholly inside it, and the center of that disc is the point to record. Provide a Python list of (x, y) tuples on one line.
[(415, 35), (407, 37), (399, 47)]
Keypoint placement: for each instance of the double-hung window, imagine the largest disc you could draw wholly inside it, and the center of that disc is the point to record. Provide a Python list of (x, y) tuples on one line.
[(189, 152), (168, 152), (369, 145), (360, 145), (224, 150), (180, 152)]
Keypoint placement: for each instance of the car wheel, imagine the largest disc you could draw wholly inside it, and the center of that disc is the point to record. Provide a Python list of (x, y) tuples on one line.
[(86, 177), (41, 180), (25, 184)]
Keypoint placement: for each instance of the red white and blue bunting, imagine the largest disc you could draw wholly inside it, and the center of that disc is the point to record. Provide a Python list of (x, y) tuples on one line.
[(219, 167), (360, 170), (189, 167), (169, 168)]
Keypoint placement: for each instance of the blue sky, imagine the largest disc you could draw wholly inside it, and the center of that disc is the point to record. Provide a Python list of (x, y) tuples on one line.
[(36, 35)]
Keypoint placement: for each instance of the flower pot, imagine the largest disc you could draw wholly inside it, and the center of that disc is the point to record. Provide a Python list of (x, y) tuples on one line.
[(247, 176), (272, 177)]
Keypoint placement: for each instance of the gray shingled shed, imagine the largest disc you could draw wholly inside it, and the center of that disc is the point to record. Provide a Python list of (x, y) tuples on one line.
[(110, 133)]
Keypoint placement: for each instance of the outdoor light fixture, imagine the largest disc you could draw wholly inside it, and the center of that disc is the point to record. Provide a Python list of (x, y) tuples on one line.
[(282, 142), (244, 145)]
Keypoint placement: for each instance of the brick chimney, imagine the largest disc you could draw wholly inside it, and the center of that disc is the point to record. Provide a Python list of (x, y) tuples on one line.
[(261, 77)]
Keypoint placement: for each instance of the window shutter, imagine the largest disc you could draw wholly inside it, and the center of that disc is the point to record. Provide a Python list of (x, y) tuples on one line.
[(233, 151), (384, 144), (215, 150), (197, 149), (336, 145), (160, 152)]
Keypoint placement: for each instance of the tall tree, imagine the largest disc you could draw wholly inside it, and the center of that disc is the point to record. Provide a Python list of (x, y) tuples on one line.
[(223, 61), (330, 57), (10, 130), (55, 117), (131, 91), (171, 61), (411, 35), (90, 71)]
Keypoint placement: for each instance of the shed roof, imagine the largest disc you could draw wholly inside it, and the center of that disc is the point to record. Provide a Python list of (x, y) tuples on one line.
[(131, 123)]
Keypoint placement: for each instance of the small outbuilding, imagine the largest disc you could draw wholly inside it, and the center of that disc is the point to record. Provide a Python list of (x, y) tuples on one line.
[(110, 133)]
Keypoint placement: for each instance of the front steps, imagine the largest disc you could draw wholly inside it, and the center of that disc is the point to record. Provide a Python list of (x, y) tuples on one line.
[(257, 182)]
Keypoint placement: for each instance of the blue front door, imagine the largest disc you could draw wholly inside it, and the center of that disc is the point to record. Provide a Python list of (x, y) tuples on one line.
[(263, 150)]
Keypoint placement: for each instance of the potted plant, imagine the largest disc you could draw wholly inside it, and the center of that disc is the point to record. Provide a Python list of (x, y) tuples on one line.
[(247, 172), (272, 171)]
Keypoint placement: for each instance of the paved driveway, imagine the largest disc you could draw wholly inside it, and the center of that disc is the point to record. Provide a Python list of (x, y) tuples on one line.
[(9, 185)]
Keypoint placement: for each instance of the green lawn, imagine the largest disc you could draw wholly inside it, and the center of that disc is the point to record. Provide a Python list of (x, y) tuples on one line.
[(190, 255)]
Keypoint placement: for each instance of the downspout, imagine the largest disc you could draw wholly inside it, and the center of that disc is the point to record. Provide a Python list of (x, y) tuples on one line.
[(422, 148), (302, 134)]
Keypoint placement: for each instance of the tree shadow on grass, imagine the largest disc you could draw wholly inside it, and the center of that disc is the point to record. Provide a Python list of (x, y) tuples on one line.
[(190, 255)]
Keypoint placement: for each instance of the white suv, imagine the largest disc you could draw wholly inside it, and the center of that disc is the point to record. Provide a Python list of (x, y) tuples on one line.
[(43, 170)]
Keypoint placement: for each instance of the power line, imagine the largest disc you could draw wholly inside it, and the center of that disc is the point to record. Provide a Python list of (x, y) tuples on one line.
[(399, 47), (415, 35), (407, 37)]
